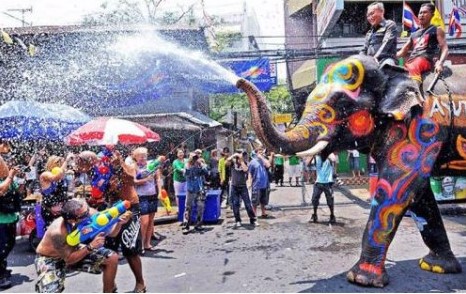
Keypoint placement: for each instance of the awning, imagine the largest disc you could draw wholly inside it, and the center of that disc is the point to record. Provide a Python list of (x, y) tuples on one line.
[(296, 5), (188, 121), (305, 75)]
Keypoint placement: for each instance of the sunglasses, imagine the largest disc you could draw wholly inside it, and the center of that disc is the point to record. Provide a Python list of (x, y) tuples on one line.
[(83, 216)]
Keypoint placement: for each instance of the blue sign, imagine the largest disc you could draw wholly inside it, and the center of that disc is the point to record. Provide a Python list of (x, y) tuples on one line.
[(259, 71)]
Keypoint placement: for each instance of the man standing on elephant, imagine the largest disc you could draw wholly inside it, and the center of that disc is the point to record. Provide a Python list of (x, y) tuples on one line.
[(382, 37), (424, 44)]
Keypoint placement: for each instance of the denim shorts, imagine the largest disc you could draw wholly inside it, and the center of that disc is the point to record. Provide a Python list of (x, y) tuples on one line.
[(148, 204)]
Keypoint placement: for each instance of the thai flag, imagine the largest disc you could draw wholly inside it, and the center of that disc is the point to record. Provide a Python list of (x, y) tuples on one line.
[(462, 9), (454, 26), (409, 18)]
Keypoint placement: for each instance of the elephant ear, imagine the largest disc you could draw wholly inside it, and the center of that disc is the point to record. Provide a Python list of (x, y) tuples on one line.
[(401, 94)]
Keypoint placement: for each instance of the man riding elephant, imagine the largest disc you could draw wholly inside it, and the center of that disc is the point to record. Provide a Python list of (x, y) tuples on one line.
[(350, 109), (424, 44)]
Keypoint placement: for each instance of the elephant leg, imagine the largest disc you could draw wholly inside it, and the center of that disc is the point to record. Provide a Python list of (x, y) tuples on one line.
[(388, 207), (370, 269), (405, 168), (427, 216)]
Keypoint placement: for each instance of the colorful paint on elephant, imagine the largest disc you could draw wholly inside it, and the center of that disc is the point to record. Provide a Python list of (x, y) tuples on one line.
[(321, 118), (353, 107), (348, 75), (461, 149), (410, 161)]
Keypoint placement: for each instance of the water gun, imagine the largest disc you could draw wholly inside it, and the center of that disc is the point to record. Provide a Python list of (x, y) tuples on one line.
[(165, 201), (102, 174), (152, 167), (101, 222)]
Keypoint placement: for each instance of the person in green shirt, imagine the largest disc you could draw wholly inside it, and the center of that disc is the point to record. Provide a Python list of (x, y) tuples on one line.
[(279, 168), (10, 205), (179, 180), (294, 169)]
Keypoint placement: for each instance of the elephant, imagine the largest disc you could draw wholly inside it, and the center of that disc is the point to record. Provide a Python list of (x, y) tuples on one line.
[(412, 136)]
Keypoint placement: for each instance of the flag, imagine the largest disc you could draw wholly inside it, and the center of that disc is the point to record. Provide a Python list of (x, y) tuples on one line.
[(454, 25), (409, 18), (462, 9), (31, 50), (437, 19), (6, 38)]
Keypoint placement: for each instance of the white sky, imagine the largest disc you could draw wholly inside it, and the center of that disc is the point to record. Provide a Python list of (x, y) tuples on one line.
[(63, 12)]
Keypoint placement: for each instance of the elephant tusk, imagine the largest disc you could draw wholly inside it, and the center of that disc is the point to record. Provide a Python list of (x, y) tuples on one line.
[(314, 150)]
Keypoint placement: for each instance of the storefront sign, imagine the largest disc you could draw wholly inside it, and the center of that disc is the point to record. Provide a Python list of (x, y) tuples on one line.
[(281, 118)]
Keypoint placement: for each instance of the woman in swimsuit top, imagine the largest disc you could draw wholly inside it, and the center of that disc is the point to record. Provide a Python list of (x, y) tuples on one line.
[(51, 185)]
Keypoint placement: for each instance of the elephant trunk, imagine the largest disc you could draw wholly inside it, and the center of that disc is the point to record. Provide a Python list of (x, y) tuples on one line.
[(291, 142)]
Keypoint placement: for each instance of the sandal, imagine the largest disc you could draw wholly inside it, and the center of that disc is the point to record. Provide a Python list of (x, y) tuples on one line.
[(143, 290), (153, 248), (264, 216)]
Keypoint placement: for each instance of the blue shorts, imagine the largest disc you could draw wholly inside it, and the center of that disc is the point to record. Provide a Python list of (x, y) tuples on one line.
[(148, 204), (354, 163)]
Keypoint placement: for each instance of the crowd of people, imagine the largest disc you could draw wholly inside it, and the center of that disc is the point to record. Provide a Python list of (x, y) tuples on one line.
[(243, 177), (61, 179)]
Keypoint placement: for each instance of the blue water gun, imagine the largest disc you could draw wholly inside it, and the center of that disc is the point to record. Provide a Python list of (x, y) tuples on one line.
[(102, 174), (101, 222)]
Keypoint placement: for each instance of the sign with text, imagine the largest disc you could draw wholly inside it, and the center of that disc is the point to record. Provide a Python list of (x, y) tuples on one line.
[(282, 118), (261, 72), (328, 12)]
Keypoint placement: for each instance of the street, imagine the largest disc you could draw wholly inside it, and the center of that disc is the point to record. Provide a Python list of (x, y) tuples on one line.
[(284, 254)]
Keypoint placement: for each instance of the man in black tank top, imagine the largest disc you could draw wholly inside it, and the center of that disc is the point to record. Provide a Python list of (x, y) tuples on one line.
[(425, 44)]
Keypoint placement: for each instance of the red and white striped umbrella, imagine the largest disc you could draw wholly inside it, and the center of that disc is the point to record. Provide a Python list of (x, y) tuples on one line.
[(110, 131)]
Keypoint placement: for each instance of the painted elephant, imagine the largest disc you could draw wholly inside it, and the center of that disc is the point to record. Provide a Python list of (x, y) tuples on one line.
[(359, 106)]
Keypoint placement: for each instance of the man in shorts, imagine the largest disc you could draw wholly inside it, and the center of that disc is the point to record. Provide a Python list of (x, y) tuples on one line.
[(260, 181), (54, 254)]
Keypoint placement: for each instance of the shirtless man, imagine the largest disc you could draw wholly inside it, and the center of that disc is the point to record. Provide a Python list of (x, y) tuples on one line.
[(54, 254), (122, 186)]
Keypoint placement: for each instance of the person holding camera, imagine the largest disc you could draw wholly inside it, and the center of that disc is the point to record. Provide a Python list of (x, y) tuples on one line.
[(238, 164), (196, 171), (10, 205), (260, 180)]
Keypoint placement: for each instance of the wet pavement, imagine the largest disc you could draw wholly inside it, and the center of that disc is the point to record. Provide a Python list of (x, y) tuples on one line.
[(284, 254)]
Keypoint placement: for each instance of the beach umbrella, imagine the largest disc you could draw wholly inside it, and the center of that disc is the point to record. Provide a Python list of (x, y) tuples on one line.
[(111, 131), (30, 120)]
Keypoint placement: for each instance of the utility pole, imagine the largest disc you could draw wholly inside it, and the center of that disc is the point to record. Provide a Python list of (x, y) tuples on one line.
[(23, 12)]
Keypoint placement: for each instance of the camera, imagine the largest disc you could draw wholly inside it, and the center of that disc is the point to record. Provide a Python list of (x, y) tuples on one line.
[(24, 168)]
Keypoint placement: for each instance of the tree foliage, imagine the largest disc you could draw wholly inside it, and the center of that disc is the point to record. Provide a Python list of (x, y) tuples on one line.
[(117, 13), (279, 100), (123, 12), (226, 40)]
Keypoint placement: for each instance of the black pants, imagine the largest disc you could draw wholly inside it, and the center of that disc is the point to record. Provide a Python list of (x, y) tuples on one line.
[(237, 194), (328, 191), (278, 174), (7, 242)]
